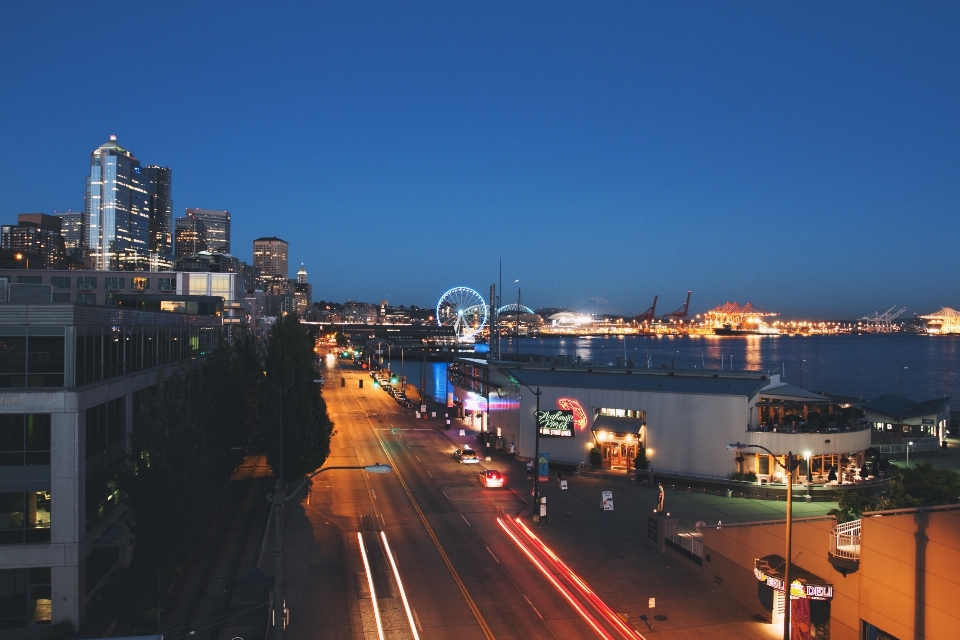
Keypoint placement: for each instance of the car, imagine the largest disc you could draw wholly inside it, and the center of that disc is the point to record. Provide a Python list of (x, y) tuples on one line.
[(491, 478), (466, 456)]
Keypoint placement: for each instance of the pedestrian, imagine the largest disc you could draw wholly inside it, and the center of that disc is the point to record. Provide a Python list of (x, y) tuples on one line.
[(513, 450), (529, 469)]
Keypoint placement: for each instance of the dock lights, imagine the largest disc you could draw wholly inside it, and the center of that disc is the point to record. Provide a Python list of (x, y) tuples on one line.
[(789, 467), (909, 444)]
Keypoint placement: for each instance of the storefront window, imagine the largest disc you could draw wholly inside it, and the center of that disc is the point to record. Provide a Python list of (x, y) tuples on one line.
[(24, 597)]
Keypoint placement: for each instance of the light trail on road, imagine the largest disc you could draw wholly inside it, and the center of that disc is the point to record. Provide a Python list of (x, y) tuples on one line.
[(373, 592), (403, 594)]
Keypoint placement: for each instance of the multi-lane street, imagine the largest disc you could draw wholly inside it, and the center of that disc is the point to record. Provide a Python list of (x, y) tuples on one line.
[(420, 552)]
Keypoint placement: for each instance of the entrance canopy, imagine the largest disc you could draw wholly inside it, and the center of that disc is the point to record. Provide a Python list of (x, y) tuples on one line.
[(769, 569), (617, 425)]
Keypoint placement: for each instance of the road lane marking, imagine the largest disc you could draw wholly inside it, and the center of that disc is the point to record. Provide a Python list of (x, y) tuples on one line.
[(464, 517), (373, 493), (484, 627), (498, 562), (373, 593), (403, 594)]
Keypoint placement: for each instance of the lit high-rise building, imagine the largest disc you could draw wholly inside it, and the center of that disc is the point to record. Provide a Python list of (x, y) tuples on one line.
[(158, 182), (71, 228), (218, 228), (270, 256), (116, 212), (190, 237)]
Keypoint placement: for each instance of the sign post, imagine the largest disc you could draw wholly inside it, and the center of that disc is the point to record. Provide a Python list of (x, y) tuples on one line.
[(607, 500)]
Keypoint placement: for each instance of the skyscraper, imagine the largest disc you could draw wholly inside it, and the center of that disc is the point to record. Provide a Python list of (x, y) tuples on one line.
[(270, 255), (218, 228), (191, 237), (158, 182), (116, 212), (36, 236), (71, 229)]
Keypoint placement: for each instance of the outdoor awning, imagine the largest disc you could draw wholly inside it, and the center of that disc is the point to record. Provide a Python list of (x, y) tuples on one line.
[(803, 584), (617, 425)]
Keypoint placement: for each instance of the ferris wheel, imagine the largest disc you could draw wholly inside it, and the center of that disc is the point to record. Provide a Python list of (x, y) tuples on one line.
[(463, 309)]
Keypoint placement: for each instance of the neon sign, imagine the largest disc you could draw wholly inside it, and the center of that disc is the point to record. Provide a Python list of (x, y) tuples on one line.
[(579, 415), (555, 423)]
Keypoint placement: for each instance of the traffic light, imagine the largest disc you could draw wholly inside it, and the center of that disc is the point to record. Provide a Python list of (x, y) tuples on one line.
[(393, 379)]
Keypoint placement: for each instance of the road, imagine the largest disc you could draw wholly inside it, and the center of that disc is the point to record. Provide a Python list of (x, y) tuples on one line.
[(462, 573)]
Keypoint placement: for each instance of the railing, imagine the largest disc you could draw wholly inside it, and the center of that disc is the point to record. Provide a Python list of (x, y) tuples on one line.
[(921, 445), (845, 541), (689, 541), (848, 427)]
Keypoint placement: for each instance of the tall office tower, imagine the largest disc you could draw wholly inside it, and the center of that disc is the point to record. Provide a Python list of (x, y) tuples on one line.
[(36, 237), (71, 228), (116, 215), (218, 228), (190, 237), (159, 196), (302, 292), (270, 255)]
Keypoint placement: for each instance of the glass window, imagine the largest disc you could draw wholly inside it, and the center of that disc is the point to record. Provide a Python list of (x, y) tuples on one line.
[(220, 286), (13, 361), (140, 284), (60, 282), (166, 284), (86, 298), (198, 284), (29, 279), (112, 283), (86, 283)]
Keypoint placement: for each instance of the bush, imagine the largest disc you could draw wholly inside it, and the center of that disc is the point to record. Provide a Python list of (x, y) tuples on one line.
[(740, 476), (596, 459), (62, 630), (642, 462)]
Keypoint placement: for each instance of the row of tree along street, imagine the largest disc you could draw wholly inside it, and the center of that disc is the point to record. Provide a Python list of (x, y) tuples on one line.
[(194, 427)]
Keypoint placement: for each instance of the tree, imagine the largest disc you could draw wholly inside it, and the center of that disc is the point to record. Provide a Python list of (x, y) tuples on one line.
[(922, 486), (306, 426)]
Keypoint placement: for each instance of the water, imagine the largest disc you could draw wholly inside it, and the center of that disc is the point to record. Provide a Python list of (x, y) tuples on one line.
[(858, 365)]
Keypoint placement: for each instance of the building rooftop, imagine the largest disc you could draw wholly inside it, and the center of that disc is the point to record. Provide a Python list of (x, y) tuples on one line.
[(903, 408)]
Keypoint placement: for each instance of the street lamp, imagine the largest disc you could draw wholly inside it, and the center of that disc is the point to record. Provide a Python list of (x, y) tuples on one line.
[(901, 380), (789, 467), (279, 622), (536, 454), (21, 256), (909, 444)]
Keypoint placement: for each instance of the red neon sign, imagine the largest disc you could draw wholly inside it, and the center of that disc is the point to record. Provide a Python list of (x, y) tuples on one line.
[(579, 415)]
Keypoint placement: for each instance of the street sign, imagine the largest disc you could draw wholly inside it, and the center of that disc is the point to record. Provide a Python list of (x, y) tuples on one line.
[(651, 603), (463, 432), (423, 409), (607, 500), (563, 485)]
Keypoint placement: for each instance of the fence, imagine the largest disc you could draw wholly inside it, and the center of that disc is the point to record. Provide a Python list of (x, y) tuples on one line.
[(931, 444), (689, 541), (845, 541)]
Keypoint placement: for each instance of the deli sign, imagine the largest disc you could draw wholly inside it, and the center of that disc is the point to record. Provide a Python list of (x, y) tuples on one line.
[(555, 423)]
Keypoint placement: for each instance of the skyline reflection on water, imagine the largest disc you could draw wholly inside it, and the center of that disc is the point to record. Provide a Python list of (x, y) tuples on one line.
[(858, 365)]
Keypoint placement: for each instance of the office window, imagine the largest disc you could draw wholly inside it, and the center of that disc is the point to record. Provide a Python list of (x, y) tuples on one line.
[(25, 467), (60, 282), (86, 298), (166, 284), (105, 447), (111, 283), (29, 279), (86, 283), (24, 597), (139, 284)]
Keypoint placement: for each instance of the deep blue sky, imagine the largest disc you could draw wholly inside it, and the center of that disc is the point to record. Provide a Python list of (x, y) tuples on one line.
[(801, 156)]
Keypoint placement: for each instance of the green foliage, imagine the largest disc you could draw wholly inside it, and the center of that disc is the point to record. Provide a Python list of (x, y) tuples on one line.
[(188, 434), (341, 339), (740, 476), (851, 504), (306, 426), (641, 461), (596, 458), (62, 630)]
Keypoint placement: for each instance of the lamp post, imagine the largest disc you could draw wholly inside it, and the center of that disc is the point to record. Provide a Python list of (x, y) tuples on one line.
[(901, 380), (801, 373), (536, 454), (25, 257), (909, 444), (786, 565), (278, 498)]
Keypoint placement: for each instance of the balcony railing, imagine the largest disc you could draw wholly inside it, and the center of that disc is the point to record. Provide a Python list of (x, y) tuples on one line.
[(689, 541), (844, 427), (845, 541)]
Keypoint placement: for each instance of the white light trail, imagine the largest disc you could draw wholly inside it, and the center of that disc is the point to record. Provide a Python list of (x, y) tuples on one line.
[(403, 594), (373, 594)]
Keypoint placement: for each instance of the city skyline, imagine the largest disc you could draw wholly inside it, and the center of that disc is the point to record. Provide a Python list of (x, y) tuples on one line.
[(803, 158)]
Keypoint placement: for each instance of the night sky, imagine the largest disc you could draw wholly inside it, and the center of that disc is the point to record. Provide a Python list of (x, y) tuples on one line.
[(801, 156)]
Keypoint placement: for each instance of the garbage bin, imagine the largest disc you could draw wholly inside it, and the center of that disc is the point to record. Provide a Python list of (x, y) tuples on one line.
[(729, 493)]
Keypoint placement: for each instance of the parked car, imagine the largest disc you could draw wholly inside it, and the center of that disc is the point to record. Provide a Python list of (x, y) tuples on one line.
[(466, 456), (491, 478)]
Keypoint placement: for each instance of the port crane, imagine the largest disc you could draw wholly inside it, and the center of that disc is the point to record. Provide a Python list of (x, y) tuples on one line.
[(881, 322), (681, 312), (650, 314), (945, 321)]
